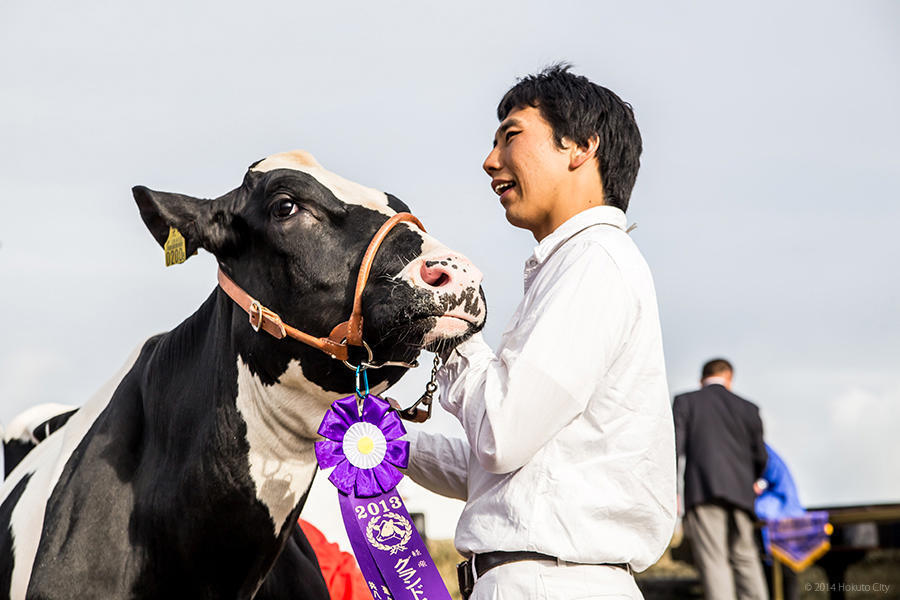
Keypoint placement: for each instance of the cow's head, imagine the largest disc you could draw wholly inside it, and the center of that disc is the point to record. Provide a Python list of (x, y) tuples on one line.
[(293, 236)]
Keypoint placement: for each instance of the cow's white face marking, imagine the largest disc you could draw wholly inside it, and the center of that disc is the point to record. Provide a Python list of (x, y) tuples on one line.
[(343, 189), (458, 295), (45, 465)]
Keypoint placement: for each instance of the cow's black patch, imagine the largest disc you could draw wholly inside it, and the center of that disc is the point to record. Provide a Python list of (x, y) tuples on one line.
[(296, 574), (13, 453), (7, 556), (166, 463), (43, 431)]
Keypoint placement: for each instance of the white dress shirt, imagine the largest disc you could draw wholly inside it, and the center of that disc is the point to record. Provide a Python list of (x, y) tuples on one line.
[(570, 447)]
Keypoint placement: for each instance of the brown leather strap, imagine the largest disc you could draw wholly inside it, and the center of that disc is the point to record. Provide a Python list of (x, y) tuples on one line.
[(347, 333), (351, 330), (269, 321)]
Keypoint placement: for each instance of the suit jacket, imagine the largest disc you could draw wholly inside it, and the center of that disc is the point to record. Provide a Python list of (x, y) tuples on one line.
[(721, 437)]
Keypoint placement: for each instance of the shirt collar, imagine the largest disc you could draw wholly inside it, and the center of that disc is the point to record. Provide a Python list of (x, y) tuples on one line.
[(713, 380), (598, 215)]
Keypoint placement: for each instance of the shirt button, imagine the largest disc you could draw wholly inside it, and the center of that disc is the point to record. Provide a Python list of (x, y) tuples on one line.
[(531, 262)]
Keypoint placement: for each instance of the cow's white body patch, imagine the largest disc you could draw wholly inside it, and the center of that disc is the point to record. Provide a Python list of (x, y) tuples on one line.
[(282, 420), (343, 189), (45, 465)]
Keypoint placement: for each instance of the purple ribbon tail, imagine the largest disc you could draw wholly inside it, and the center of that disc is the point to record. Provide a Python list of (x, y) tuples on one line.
[(391, 554), (389, 550)]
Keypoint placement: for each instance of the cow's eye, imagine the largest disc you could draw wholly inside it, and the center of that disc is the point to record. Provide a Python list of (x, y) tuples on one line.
[(284, 208)]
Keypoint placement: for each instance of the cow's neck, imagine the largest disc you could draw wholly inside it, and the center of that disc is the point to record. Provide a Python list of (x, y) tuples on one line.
[(262, 430), (282, 410), (281, 429)]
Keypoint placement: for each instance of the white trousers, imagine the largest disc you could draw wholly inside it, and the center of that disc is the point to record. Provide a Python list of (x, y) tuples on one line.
[(545, 580)]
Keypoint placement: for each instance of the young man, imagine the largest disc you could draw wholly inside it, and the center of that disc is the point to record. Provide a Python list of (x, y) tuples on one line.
[(568, 467)]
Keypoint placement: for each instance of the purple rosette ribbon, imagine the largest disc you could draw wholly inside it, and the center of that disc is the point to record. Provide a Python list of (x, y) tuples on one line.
[(363, 449), (363, 446)]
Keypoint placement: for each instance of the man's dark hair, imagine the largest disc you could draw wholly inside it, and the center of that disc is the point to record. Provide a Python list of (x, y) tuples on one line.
[(578, 109), (716, 366)]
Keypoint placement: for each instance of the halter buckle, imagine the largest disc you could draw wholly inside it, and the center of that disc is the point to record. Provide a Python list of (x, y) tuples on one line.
[(259, 313)]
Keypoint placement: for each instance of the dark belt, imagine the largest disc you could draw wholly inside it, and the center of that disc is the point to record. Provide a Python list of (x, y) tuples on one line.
[(482, 563)]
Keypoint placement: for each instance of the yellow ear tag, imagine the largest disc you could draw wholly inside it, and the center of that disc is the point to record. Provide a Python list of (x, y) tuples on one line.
[(176, 252)]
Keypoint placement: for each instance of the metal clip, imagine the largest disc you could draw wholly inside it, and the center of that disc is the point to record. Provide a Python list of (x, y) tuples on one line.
[(361, 375), (366, 363)]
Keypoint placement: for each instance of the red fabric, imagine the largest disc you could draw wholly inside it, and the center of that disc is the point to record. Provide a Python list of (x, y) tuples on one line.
[(342, 576)]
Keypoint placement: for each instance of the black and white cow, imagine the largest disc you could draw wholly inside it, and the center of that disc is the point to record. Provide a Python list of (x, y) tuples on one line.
[(185, 475)]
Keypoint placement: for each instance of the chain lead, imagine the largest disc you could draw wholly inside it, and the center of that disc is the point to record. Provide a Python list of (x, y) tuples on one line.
[(415, 414)]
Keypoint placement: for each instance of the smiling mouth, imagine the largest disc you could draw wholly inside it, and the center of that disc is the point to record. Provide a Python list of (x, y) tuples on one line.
[(502, 186)]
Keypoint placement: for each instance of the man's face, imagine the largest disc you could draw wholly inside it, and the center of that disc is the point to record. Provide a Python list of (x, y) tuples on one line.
[(527, 169)]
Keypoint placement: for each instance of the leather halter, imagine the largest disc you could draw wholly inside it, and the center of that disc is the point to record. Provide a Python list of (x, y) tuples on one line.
[(348, 333)]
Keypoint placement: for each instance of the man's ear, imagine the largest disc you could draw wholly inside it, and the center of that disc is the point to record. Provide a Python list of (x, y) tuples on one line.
[(204, 224), (578, 155)]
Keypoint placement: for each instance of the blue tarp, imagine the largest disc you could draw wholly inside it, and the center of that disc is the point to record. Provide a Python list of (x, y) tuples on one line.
[(792, 535)]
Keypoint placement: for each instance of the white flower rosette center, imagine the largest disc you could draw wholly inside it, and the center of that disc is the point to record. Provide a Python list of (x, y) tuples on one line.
[(364, 445)]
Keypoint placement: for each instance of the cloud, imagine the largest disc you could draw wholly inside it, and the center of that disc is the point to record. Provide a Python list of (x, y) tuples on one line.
[(841, 439)]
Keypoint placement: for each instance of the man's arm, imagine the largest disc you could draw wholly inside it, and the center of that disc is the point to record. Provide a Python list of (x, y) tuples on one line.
[(439, 463), (550, 365), (760, 456)]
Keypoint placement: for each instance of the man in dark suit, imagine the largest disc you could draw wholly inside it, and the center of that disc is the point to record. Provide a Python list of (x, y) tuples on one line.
[(719, 442)]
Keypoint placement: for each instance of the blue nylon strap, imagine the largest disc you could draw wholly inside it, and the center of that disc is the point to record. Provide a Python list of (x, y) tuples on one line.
[(361, 394)]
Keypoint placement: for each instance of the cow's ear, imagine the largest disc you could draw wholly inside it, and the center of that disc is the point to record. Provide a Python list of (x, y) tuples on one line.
[(203, 223)]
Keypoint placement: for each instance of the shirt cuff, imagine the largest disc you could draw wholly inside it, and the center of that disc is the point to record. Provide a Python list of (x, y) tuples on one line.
[(462, 356), (411, 436)]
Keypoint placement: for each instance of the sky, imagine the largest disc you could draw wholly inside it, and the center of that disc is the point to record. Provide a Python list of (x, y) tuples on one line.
[(766, 204)]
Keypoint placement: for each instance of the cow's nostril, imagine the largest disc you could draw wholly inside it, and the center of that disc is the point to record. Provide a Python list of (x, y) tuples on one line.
[(434, 274)]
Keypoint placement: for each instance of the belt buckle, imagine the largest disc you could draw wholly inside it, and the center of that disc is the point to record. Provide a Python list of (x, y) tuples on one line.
[(465, 577)]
